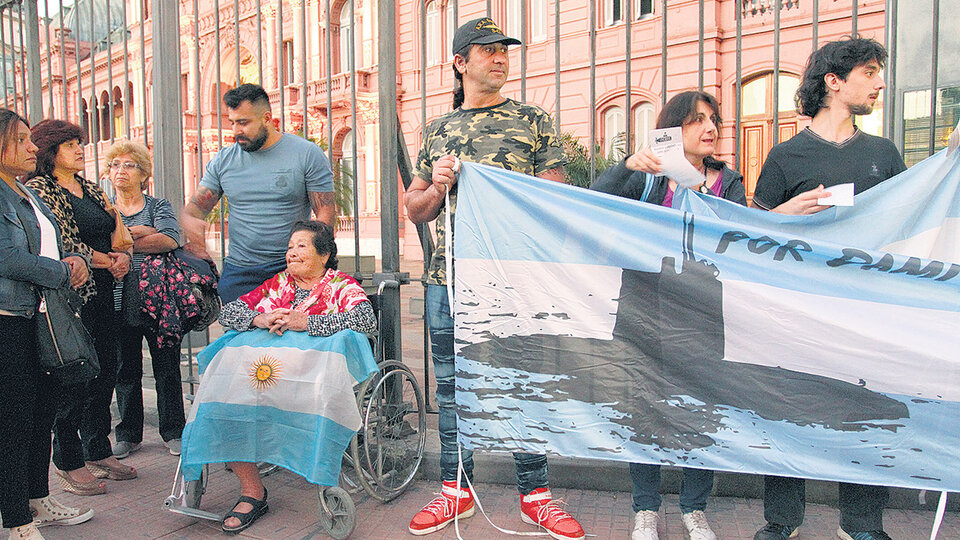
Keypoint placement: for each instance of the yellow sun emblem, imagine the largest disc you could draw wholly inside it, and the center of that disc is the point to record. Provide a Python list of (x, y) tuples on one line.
[(265, 372)]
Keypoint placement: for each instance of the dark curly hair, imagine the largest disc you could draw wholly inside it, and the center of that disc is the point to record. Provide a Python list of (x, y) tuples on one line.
[(837, 57), (48, 135), (682, 109), (323, 240)]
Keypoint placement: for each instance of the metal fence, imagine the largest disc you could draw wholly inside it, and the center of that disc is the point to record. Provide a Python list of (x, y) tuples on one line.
[(156, 71)]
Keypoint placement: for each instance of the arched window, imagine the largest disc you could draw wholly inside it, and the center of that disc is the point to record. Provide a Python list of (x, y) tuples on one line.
[(105, 120), (513, 17), (434, 45), (613, 129), (348, 176), (118, 116), (346, 38), (644, 120), (757, 107)]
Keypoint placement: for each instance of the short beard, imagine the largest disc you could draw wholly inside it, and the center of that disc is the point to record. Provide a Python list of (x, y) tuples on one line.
[(254, 144), (860, 109)]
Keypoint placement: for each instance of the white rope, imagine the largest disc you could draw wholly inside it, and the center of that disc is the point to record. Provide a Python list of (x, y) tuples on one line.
[(941, 508), (476, 501)]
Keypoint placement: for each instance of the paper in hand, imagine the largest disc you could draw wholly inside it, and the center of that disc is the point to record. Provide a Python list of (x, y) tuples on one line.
[(840, 195), (668, 146)]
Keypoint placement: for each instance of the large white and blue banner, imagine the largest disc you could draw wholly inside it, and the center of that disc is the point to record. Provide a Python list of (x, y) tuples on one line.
[(286, 400), (712, 335)]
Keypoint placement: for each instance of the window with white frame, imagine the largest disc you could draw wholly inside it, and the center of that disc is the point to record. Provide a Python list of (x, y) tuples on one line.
[(513, 13), (644, 120), (613, 129), (346, 39), (615, 11), (451, 29), (433, 33), (539, 16)]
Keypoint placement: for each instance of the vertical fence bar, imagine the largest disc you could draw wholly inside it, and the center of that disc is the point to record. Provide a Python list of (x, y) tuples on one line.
[(592, 6), (217, 103), (236, 36), (167, 104), (32, 52), (95, 103), (855, 5), (28, 94), (556, 55), (738, 90), (303, 68), (700, 47), (3, 61), (353, 135), (628, 113), (46, 28), (663, 58), (126, 74), (63, 65), (890, 73), (259, 44), (423, 66), (143, 75), (110, 126), (523, 51), (389, 152), (13, 60), (775, 136), (456, 19), (76, 57), (282, 62), (489, 8), (816, 25), (329, 75), (197, 99), (934, 64)]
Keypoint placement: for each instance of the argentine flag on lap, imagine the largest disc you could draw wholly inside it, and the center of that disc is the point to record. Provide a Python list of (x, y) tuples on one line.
[(711, 335), (286, 400)]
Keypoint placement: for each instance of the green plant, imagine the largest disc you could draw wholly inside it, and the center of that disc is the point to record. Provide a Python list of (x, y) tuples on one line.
[(578, 158), (344, 181)]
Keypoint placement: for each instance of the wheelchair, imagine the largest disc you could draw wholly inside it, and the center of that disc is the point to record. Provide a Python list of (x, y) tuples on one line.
[(382, 459)]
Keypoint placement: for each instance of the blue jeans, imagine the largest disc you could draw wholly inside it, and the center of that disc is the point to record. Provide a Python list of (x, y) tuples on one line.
[(694, 488), (531, 468), (861, 507)]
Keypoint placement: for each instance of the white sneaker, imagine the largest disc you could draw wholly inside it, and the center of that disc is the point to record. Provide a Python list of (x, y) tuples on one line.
[(25, 532), (49, 511), (173, 446), (697, 527), (645, 525)]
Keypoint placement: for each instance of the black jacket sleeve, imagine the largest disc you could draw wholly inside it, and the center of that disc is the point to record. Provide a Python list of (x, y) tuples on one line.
[(621, 181)]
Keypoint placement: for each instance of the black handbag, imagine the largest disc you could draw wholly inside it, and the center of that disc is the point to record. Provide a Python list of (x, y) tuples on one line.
[(131, 302), (65, 347)]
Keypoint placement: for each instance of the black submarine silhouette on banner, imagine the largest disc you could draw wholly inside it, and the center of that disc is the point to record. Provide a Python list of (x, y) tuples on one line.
[(663, 372)]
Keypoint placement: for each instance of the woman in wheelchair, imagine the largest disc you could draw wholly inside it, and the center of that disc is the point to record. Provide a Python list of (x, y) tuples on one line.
[(311, 296)]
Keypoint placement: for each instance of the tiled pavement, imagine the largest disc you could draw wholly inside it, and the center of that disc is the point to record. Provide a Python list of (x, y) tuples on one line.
[(133, 509)]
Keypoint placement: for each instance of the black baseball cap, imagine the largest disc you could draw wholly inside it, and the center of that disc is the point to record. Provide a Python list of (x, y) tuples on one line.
[(480, 32)]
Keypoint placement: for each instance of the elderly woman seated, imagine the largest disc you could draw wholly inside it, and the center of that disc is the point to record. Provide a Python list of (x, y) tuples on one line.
[(311, 296)]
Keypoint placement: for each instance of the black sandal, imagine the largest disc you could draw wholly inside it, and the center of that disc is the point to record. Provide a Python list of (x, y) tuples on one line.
[(246, 518)]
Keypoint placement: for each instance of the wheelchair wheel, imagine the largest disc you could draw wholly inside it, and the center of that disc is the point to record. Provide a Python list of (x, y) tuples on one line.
[(338, 514), (389, 446), (194, 489)]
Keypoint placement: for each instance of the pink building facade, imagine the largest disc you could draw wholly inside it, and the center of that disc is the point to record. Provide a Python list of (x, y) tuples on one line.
[(295, 33)]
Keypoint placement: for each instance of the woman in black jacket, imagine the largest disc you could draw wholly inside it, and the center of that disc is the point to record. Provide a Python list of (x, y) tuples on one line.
[(31, 257), (698, 116)]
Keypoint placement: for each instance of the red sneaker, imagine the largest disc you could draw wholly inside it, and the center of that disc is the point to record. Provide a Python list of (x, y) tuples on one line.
[(439, 512), (539, 508)]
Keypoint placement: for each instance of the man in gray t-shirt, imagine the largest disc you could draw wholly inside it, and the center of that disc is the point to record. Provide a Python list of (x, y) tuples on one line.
[(271, 180)]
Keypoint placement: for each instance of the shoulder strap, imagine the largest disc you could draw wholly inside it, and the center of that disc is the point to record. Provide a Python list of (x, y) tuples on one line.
[(648, 182)]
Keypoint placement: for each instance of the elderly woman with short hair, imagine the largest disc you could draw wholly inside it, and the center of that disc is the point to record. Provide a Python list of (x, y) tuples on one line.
[(154, 228), (311, 296)]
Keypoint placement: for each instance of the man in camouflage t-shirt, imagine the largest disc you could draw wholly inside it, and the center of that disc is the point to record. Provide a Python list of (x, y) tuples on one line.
[(487, 128)]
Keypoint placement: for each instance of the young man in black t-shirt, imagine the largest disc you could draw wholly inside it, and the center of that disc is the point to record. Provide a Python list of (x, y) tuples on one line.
[(842, 79)]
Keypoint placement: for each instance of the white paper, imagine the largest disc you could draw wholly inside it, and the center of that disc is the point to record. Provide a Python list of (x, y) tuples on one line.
[(668, 146), (840, 195)]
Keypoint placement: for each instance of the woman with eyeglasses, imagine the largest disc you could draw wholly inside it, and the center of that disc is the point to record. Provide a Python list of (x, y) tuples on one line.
[(81, 448), (698, 116), (154, 228)]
